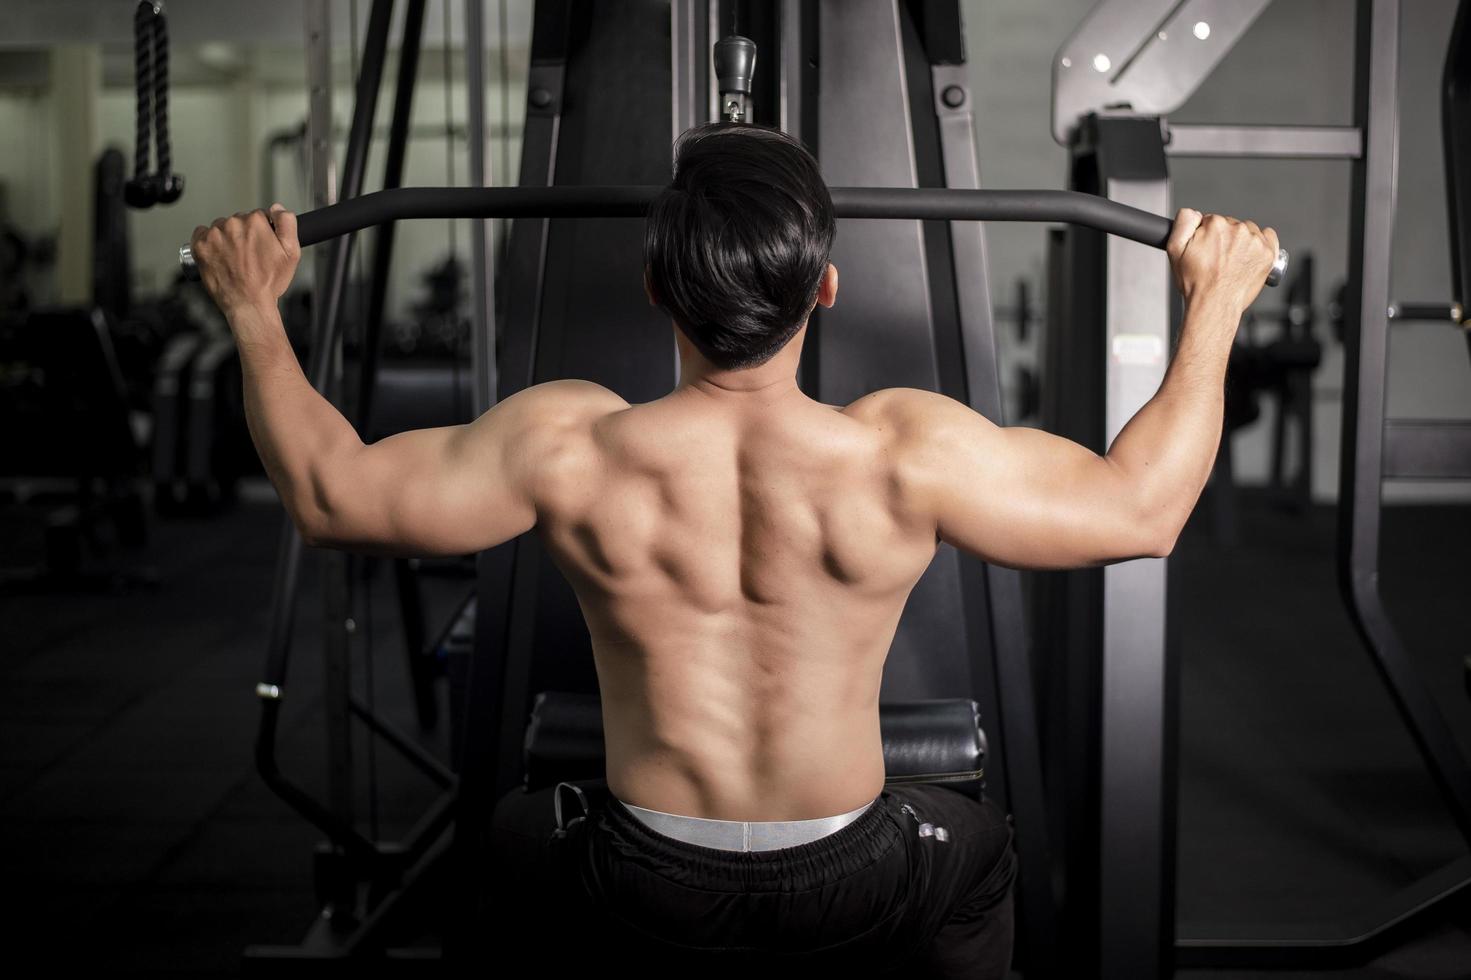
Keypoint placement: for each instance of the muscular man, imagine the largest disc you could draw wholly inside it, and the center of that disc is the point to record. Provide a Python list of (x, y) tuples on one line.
[(741, 554)]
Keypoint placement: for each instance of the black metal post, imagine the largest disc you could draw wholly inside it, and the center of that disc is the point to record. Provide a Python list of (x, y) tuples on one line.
[(1366, 349), (483, 334), (365, 105), (1455, 119), (410, 601), (997, 590), (288, 562), (393, 164)]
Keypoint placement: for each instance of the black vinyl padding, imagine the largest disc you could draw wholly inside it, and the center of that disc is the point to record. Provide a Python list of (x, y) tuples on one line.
[(937, 740)]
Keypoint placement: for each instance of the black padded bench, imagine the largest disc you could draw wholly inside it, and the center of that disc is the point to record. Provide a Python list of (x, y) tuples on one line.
[(932, 741)]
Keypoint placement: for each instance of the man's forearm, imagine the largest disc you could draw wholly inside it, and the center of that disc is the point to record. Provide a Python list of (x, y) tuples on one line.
[(296, 431), (1168, 448)]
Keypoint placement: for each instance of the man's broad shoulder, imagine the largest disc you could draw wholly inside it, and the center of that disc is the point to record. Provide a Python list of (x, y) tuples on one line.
[(908, 420), (556, 418), (925, 432), (903, 412), (567, 403), (578, 395)]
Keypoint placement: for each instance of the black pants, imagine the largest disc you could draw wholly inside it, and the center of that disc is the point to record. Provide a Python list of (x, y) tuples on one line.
[(875, 898)]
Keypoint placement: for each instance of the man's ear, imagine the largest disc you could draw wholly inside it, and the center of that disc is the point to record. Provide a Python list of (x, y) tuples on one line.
[(649, 289), (827, 289)]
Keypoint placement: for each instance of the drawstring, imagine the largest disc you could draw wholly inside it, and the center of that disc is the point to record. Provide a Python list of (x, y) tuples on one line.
[(926, 829), (562, 827), (561, 842)]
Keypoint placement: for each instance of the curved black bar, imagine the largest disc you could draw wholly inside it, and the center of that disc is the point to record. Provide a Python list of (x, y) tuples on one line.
[(631, 201)]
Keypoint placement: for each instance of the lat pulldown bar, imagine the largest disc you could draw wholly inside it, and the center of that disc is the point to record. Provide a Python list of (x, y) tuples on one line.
[(924, 203)]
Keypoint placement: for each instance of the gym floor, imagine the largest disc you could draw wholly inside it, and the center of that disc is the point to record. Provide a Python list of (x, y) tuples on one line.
[(138, 835)]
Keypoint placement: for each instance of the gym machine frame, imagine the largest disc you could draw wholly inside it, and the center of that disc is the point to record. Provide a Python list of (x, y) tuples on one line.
[(1132, 909), (392, 869)]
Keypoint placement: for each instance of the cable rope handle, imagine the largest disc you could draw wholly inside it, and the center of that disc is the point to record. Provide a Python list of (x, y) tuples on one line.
[(139, 191), (167, 184), (151, 75)]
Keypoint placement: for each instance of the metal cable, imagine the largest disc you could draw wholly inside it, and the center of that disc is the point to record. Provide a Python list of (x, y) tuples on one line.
[(505, 223), (354, 561), (449, 117), (449, 160)]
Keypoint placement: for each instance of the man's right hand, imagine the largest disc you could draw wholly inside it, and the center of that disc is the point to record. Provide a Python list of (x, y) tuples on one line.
[(1219, 256), (249, 259)]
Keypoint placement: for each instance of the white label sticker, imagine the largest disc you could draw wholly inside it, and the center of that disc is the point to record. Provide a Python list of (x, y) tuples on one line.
[(1138, 348)]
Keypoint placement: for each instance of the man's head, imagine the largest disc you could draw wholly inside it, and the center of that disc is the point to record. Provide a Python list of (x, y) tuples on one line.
[(737, 245)]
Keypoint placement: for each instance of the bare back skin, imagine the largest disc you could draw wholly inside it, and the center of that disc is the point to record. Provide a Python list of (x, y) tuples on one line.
[(742, 570)]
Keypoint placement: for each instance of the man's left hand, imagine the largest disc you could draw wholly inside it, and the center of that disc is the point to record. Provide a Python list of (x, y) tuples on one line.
[(248, 259)]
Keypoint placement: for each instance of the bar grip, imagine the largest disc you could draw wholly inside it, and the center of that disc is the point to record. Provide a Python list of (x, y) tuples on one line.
[(1279, 268), (632, 201)]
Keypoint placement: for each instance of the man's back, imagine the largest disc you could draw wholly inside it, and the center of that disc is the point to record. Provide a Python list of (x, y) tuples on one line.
[(742, 569)]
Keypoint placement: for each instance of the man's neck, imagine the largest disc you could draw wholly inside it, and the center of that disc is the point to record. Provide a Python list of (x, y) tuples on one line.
[(733, 385), (773, 381)]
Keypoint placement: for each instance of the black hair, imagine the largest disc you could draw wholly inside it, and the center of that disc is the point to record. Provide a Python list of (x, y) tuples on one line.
[(736, 246)]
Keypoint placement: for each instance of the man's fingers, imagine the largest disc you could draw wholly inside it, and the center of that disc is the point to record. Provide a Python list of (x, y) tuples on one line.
[(1270, 234), (1186, 221), (285, 224)]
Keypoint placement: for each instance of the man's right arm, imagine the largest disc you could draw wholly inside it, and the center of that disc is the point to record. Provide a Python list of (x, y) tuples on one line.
[(1025, 498)]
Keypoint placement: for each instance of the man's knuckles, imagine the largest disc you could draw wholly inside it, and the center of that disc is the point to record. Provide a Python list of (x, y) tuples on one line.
[(237, 229)]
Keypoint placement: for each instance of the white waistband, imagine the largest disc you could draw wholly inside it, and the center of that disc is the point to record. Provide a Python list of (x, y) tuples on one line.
[(743, 835)]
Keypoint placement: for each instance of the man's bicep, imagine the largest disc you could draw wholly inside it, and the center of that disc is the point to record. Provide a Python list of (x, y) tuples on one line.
[(1025, 498)]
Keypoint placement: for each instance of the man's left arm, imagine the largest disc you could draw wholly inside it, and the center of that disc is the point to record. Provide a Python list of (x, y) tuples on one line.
[(441, 491)]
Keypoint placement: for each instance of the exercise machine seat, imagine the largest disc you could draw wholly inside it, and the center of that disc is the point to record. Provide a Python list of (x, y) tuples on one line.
[(928, 741)]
